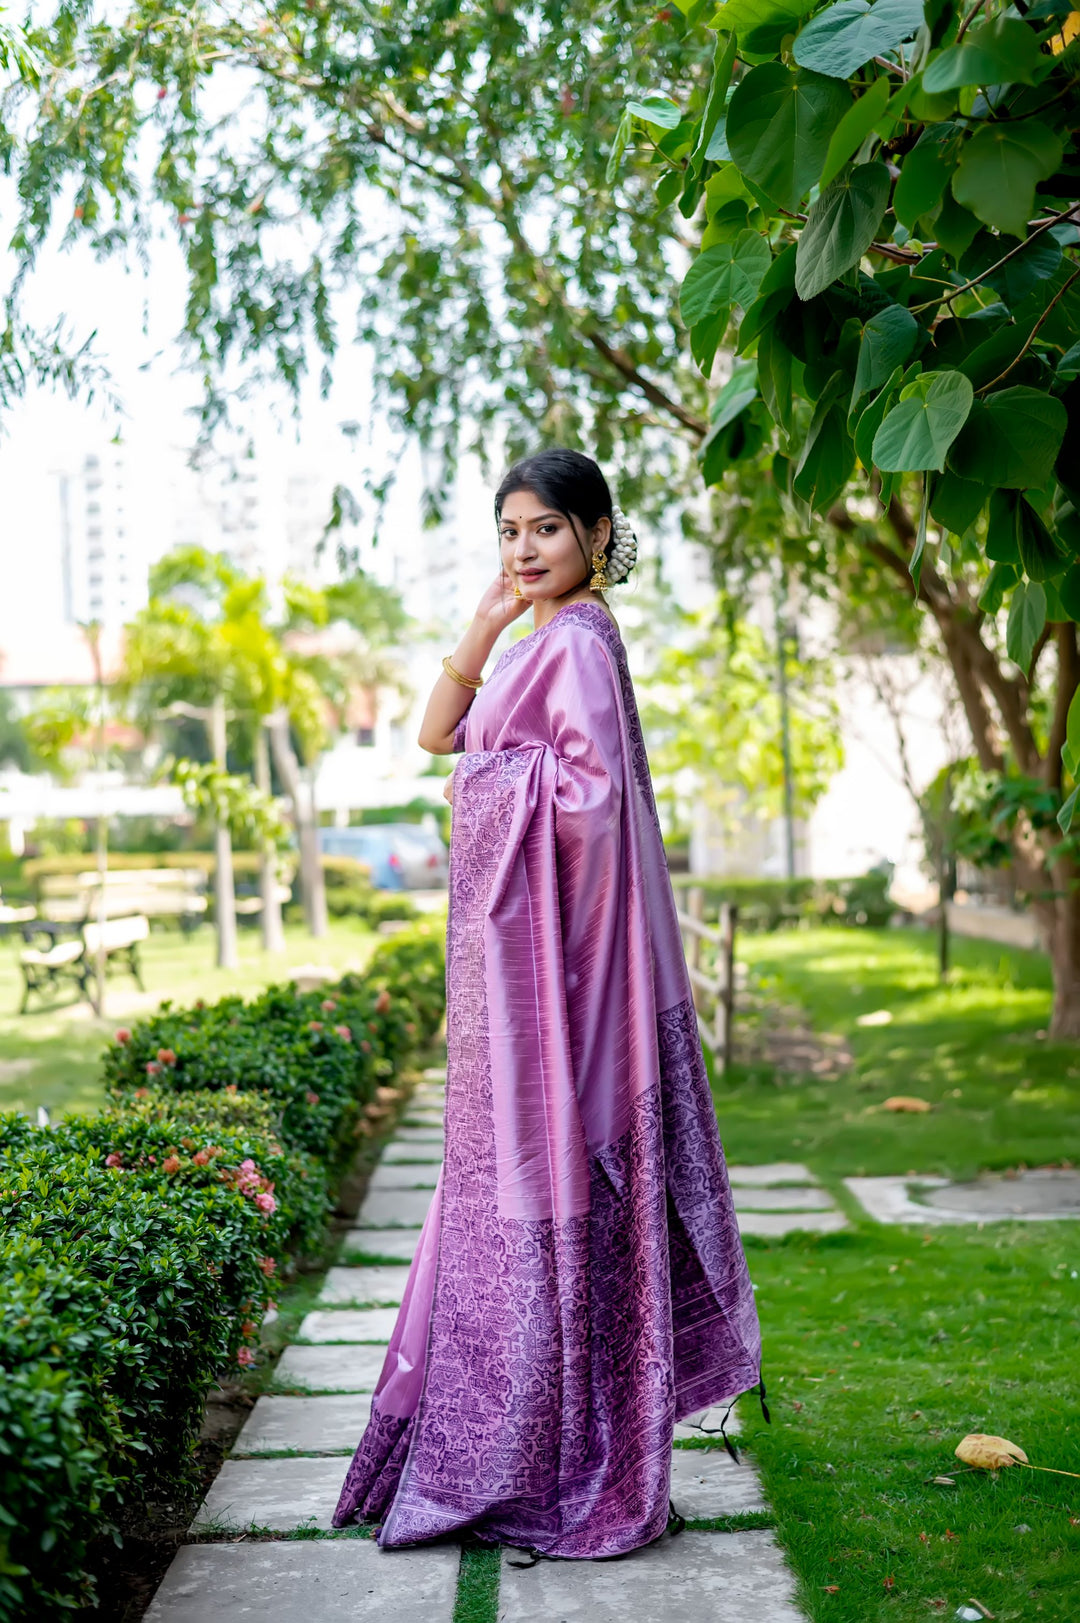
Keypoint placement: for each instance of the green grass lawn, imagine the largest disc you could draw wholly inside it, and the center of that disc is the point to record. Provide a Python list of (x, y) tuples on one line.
[(975, 1048), (885, 1346), (50, 1055)]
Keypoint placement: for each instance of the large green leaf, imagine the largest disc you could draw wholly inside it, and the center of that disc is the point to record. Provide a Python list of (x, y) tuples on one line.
[(1010, 439), (1070, 755), (887, 341), (840, 227), (774, 376), (872, 418), (917, 433), (925, 173), (827, 459), (779, 124), (1001, 543), (659, 111), (844, 36), (956, 503), (1068, 810), (1069, 592), (854, 127), (1027, 616), (723, 63), (998, 582), (999, 169), (728, 273), (1004, 51), (761, 24), (1020, 275), (1041, 553)]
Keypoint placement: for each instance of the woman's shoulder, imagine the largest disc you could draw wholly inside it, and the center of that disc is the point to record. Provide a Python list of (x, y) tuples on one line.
[(585, 617)]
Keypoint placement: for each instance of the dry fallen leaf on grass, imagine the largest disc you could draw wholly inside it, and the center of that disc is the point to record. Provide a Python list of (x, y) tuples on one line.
[(989, 1453), (905, 1102)]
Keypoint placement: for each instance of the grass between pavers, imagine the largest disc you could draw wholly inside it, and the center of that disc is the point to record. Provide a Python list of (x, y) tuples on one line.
[(883, 1348), (51, 1055), (975, 1048)]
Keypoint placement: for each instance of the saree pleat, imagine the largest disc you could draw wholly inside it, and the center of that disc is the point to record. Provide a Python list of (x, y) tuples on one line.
[(579, 1284)]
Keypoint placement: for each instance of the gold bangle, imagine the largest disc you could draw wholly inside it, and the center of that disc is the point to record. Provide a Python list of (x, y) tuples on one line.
[(466, 681)]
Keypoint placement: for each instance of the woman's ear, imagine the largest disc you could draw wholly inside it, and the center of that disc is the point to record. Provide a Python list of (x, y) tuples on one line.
[(601, 534)]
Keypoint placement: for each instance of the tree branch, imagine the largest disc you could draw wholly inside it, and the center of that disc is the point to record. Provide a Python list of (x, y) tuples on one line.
[(624, 364), (1068, 680)]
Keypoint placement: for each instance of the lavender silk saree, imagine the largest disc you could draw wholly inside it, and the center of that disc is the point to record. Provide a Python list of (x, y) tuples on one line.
[(579, 1285)]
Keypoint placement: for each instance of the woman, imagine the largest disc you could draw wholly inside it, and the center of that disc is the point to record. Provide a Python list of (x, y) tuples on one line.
[(579, 1285)]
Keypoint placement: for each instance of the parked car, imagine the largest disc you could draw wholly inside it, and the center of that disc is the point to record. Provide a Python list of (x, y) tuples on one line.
[(401, 856)]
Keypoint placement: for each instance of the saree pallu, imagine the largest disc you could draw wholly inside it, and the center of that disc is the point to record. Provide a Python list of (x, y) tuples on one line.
[(579, 1284)]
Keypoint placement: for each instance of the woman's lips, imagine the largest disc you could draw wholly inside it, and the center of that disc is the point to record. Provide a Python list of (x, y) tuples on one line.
[(531, 574)]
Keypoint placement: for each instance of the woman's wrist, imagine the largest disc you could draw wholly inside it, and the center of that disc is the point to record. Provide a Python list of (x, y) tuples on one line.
[(471, 653)]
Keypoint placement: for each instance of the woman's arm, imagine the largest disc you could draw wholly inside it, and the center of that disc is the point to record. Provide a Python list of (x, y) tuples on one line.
[(449, 699)]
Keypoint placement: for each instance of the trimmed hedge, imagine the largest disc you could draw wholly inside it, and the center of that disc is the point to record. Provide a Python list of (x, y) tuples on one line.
[(767, 904), (142, 1246)]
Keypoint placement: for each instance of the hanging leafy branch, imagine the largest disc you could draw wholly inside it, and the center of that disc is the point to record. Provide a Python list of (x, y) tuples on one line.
[(888, 198), (229, 799)]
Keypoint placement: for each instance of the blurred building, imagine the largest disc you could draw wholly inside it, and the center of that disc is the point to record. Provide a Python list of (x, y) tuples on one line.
[(102, 569)]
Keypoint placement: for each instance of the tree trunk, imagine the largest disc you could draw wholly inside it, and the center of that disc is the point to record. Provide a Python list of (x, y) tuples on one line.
[(1064, 948), (224, 887), (302, 795), (273, 934)]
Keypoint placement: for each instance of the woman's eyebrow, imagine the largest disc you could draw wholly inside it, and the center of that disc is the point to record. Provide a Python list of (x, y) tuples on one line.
[(539, 519)]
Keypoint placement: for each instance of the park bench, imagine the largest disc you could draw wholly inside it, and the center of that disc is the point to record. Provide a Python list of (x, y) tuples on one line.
[(153, 892), (44, 969)]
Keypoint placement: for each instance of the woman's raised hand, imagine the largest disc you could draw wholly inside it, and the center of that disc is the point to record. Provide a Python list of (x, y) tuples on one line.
[(499, 607)]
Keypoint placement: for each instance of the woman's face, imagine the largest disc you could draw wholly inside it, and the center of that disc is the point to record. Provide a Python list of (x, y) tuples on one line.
[(541, 552)]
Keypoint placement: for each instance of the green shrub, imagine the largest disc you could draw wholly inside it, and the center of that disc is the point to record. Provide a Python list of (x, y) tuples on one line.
[(766, 904), (140, 1247)]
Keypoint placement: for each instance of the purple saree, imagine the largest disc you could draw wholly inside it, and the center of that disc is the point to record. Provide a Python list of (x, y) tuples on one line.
[(579, 1285)]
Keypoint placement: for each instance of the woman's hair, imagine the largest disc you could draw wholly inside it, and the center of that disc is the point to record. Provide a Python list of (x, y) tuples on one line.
[(570, 484)]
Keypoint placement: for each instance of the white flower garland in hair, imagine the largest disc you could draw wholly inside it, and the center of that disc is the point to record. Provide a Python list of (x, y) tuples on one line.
[(623, 555)]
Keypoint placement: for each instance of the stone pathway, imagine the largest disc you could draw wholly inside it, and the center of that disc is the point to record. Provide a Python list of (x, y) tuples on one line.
[(1042, 1195), (287, 1465)]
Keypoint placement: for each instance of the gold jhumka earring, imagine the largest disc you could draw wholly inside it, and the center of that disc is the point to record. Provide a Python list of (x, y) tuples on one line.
[(517, 590), (599, 580)]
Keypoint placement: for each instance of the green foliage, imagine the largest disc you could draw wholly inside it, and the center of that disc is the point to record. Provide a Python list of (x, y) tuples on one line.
[(712, 710), (141, 1246), (767, 904), (861, 148)]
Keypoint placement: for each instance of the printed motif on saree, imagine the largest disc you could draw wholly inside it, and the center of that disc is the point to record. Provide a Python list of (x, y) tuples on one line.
[(579, 1285)]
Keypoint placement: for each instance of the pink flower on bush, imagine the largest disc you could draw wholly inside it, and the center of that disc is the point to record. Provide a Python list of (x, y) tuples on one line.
[(166, 1056), (123, 1035), (410, 1028), (382, 1002), (142, 1093), (230, 1087), (248, 1328), (201, 1157), (268, 1266), (245, 1357), (343, 1032), (312, 1098), (171, 1164), (114, 1160), (265, 1201), (328, 1005), (152, 1067), (366, 1046), (314, 1025)]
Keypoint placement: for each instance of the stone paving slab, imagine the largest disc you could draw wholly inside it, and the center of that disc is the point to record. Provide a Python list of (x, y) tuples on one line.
[(434, 1073), (782, 1200), (396, 1152), (694, 1578), (325, 1368), (394, 1208), (774, 1224), (772, 1172), (342, 1324), (277, 1494), (394, 1177), (344, 1287), (398, 1243), (304, 1425), (708, 1420), (709, 1483), (419, 1135), (985, 1200), (313, 1581)]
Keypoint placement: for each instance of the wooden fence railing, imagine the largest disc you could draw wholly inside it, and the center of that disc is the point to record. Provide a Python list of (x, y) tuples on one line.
[(714, 993)]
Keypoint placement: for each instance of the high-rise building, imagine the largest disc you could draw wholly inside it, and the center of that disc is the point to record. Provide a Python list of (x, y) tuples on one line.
[(103, 574)]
